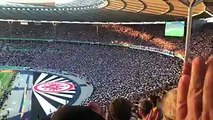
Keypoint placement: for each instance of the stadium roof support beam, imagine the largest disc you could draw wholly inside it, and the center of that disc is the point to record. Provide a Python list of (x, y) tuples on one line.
[(192, 4)]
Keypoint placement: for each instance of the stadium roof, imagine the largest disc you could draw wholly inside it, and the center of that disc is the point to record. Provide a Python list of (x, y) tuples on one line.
[(101, 10), (209, 4)]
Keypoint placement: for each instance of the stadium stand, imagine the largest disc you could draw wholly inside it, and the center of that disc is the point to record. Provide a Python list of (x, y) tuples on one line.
[(120, 34), (131, 67), (129, 73)]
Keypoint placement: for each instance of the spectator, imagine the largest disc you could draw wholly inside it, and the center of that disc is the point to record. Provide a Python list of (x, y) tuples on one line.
[(76, 113), (144, 108), (120, 109), (95, 107), (154, 100), (168, 105)]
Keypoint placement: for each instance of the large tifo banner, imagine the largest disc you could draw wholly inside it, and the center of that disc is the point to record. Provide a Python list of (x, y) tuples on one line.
[(175, 29)]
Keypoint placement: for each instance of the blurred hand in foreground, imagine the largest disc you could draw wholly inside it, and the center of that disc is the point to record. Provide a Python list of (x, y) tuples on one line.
[(195, 91)]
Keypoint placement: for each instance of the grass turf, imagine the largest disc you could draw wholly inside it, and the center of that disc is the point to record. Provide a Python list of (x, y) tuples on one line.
[(174, 32), (5, 78)]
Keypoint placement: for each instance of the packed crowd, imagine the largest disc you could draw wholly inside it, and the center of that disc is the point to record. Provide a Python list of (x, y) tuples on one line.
[(126, 71), (114, 71), (189, 101), (117, 34)]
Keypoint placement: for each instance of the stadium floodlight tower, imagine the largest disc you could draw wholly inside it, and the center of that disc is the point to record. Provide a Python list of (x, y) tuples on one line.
[(190, 4)]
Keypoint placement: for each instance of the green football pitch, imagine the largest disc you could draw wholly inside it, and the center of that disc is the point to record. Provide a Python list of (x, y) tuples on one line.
[(5, 78), (174, 32)]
